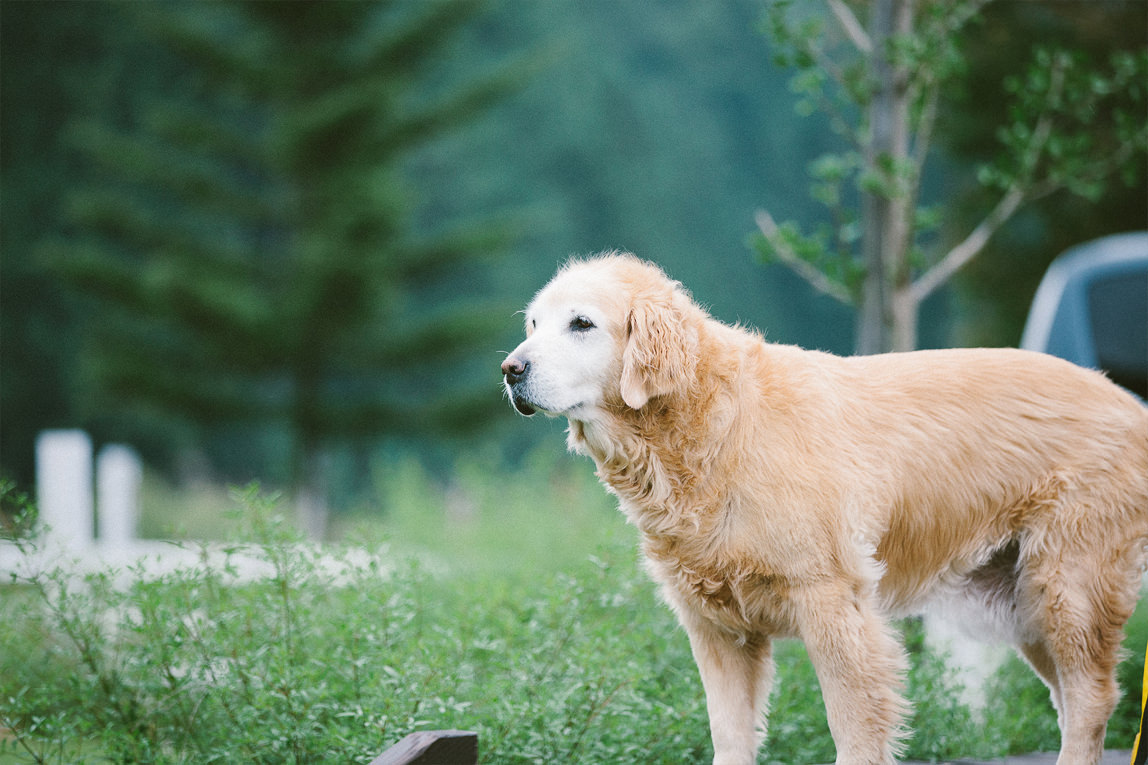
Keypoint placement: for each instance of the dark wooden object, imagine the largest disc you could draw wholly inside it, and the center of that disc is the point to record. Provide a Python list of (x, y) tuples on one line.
[(433, 747)]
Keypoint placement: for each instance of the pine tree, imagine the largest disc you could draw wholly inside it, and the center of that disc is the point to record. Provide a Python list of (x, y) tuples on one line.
[(251, 245)]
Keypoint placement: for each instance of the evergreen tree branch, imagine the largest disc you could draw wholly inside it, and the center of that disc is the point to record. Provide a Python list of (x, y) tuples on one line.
[(397, 53), (167, 380), (127, 218), (433, 257), (426, 124), (427, 339), (194, 32), (191, 175)]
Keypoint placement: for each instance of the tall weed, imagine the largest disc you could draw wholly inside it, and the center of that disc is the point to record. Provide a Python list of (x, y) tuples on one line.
[(526, 618)]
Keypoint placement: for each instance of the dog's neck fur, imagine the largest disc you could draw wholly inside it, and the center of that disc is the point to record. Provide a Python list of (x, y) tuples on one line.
[(650, 491), (645, 458)]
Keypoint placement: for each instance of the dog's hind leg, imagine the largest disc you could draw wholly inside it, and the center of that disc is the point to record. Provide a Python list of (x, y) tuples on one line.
[(1081, 612), (861, 666), (1086, 657), (1037, 655)]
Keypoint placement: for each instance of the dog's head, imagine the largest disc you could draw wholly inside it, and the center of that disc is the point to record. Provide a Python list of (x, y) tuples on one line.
[(611, 331)]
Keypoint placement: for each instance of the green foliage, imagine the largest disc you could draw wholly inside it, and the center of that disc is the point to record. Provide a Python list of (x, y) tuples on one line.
[(1072, 124), (249, 246), (285, 651), (203, 666), (804, 40), (829, 249), (838, 77), (994, 293), (504, 527), (332, 654), (1022, 714), (18, 513), (648, 129), (46, 72), (654, 130)]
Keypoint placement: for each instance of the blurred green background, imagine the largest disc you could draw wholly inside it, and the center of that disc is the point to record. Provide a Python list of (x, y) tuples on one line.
[(277, 241)]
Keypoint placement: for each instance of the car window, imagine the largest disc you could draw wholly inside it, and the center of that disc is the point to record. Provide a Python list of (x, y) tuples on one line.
[(1118, 310)]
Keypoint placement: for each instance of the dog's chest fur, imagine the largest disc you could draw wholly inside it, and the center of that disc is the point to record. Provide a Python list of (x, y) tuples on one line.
[(740, 597), (682, 537)]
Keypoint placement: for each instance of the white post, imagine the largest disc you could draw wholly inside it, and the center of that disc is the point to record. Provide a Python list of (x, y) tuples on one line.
[(118, 477), (972, 662), (64, 486)]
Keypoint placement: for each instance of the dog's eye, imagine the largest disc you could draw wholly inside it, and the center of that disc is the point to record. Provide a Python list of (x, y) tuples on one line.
[(581, 324)]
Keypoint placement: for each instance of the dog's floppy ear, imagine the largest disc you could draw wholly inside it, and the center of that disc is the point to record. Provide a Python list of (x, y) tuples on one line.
[(661, 352)]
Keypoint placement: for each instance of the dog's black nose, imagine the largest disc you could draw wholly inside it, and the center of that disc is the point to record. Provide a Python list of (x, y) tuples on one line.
[(514, 369)]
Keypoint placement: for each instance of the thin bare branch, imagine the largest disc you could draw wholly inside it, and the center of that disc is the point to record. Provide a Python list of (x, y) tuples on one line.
[(1043, 129), (837, 119), (837, 75), (1023, 189), (924, 134), (840, 124), (968, 249), (807, 271), (853, 29)]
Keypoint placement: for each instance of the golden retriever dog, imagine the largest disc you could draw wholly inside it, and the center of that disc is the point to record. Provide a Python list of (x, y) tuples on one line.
[(781, 492)]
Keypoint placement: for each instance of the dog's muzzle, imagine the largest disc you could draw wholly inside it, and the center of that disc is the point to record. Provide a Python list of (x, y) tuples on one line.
[(515, 371)]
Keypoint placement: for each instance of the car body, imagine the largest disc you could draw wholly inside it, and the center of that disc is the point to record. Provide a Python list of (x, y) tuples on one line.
[(1092, 309)]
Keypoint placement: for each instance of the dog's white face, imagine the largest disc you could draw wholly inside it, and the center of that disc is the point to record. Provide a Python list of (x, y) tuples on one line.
[(571, 352), (609, 332)]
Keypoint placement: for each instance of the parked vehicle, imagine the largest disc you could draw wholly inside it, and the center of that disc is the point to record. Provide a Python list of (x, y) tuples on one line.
[(1092, 309)]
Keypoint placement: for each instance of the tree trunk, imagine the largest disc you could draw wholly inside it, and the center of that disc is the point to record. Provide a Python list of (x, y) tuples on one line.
[(905, 309), (886, 217)]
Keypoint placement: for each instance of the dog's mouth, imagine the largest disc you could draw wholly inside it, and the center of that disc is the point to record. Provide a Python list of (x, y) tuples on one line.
[(515, 392), (522, 405), (526, 402)]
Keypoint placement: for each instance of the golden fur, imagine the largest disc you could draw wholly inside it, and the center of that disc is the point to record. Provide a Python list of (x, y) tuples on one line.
[(782, 492)]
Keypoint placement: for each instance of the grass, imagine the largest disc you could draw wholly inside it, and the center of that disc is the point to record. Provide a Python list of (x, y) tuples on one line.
[(507, 602)]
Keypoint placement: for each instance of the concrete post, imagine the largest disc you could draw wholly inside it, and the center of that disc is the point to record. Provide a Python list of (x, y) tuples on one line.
[(118, 477), (64, 487), (972, 662)]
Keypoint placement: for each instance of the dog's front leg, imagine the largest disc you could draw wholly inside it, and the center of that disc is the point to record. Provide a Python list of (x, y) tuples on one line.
[(737, 673), (860, 665)]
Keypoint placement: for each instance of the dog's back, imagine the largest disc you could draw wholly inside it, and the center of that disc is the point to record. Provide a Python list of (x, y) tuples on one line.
[(980, 448)]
